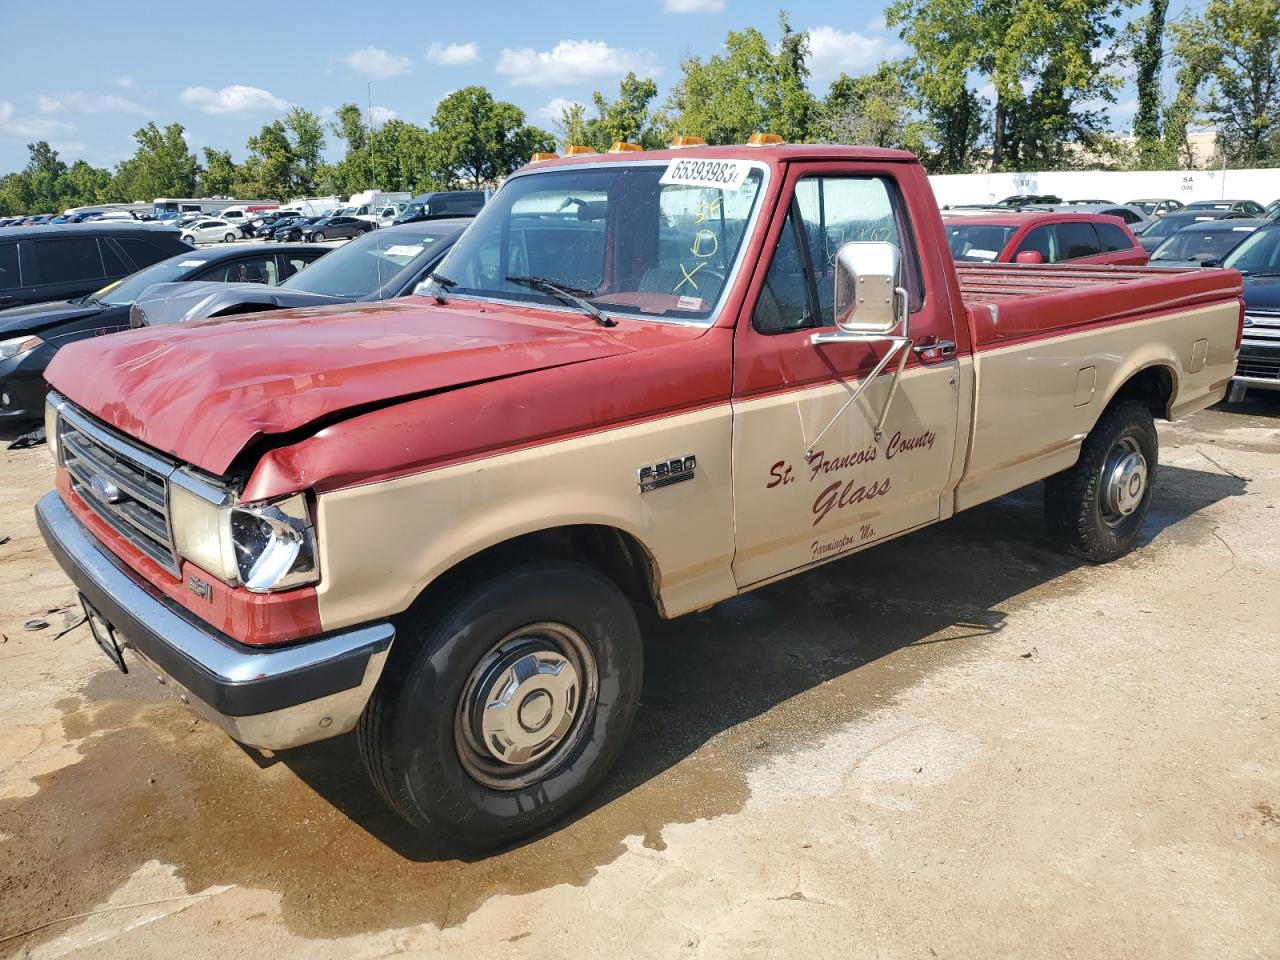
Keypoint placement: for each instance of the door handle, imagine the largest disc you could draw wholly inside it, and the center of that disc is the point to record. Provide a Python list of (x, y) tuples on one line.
[(935, 350)]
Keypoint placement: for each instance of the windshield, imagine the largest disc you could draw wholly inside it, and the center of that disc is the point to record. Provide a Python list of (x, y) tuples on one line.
[(1146, 206), (1167, 226), (364, 265), (1196, 244), (1259, 253), (624, 236), (978, 242), (126, 291)]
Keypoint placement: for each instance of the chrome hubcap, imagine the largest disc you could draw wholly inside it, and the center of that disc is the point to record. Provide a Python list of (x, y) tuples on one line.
[(525, 705), (1124, 481)]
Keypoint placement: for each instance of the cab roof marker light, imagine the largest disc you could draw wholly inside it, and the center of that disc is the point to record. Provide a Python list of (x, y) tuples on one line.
[(764, 140), (621, 146), (543, 155), (680, 142), (578, 150)]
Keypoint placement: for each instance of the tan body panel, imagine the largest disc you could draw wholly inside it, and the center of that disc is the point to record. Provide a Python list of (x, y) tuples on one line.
[(1027, 421), (382, 543)]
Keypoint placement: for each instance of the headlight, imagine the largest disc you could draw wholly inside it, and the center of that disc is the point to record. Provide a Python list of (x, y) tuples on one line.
[(51, 404), (17, 346), (265, 546)]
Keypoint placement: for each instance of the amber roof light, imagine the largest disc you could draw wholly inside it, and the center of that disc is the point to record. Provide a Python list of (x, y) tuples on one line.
[(621, 146), (683, 141), (764, 140), (578, 150), (542, 155)]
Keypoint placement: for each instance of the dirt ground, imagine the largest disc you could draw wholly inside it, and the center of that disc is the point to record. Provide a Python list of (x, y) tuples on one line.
[(961, 744)]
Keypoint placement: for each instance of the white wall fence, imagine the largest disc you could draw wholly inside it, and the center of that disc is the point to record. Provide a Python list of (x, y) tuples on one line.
[(1118, 187)]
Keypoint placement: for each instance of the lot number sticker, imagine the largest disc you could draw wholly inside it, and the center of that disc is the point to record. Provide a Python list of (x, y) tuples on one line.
[(724, 174)]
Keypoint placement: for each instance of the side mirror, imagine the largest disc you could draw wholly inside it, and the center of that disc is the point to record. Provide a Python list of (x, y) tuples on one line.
[(869, 297), (1210, 262), (1029, 256)]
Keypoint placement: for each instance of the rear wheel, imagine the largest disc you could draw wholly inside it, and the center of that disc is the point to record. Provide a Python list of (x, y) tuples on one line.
[(1097, 507), (498, 717)]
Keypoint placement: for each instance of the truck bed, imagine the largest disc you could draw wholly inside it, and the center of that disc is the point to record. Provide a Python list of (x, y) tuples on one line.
[(1011, 302)]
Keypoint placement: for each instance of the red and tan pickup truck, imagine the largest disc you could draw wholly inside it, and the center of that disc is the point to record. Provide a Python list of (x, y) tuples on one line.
[(640, 379)]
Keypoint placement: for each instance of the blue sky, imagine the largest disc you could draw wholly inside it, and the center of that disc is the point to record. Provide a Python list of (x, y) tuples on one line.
[(100, 70)]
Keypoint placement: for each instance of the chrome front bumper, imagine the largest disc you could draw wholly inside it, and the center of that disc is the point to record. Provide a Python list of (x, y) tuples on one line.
[(272, 698)]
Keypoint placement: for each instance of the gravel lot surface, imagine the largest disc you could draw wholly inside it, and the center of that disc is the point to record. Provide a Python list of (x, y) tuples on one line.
[(960, 744)]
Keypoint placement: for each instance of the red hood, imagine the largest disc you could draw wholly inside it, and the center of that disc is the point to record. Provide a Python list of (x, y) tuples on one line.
[(203, 391)]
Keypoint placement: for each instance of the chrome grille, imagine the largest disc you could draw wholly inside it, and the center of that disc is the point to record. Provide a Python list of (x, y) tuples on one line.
[(122, 482), (1260, 364)]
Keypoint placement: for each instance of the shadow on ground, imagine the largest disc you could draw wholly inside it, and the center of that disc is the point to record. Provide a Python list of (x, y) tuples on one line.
[(748, 679)]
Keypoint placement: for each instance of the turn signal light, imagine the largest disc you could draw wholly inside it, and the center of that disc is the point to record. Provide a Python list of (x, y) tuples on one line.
[(679, 142), (621, 146), (540, 156), (763, 139), (577, 150)]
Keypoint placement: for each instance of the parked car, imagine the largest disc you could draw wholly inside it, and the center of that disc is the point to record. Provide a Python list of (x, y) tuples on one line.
[(210, 230), (268, 229), (1257, 259), (1273, 210), (1090, 203), (252, 226), (292, 230), (1132, 216), (1250, 208), (336, 228), (435, 519), (449, 203), (1031, 238), (382, 265), (1203, 244), (1160, 230), (1028, 199), (31, 335), (38, 264), (1155, 207)]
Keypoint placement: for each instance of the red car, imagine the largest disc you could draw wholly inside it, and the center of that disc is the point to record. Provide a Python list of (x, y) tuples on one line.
[(1043, 238)]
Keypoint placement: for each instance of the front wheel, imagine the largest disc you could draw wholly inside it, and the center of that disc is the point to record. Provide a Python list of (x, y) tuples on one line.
[(1097, 507), (190, 240), (499, 717), (318, 238)]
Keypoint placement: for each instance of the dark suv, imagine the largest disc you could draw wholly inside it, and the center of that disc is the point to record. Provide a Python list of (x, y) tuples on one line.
[(450, 203), (61, 262)]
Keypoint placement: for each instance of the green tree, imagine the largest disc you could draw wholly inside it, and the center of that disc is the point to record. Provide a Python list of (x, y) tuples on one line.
[(1046, 46), (220, 173), (750, 88), (84, 184), (1233, 51), (628, 118), (481, 139), (161, 166), (268, 171), (306, 135), (355, 171), (1148, 57), (876, 109)]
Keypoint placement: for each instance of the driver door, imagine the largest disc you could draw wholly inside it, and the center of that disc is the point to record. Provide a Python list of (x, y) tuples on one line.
[(812, 481)]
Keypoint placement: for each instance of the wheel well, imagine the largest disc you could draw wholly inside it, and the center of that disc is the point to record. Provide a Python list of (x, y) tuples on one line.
[(618, 555), (1152, 386)]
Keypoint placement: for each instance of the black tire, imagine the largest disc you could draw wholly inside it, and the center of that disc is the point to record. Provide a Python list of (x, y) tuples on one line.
[(318, 237), (1089, 513), (412, 736)]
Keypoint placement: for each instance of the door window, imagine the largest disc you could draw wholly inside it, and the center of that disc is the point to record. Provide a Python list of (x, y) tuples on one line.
[(68, 260), (1076, 240), (1112, 237), (10, 278), (1039, 240), (293, 263), (142, 253), (252, 270), (827, 212), (112, 260)]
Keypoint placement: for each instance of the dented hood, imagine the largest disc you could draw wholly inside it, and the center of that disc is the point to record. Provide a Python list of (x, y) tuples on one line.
[(204, 391)]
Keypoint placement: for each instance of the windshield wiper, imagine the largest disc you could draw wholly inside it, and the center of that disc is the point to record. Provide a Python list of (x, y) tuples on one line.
[(570, 295), (1261, 273), (444, 283)]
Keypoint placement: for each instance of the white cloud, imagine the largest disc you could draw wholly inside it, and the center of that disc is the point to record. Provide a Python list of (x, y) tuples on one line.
[(380, 115), (553, 111), (6, 111), (573, 61), (236, 98), (692, 6), (453, 55), (377, 63), (833, 51), (124, 81), (77, 102), (35, 128)]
